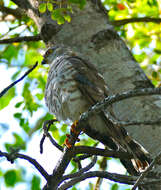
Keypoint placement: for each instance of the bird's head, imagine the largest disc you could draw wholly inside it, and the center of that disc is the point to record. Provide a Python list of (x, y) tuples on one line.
[(52, 53)]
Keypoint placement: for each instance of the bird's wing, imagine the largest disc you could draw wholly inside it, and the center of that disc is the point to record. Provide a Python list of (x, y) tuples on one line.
[(92, 85)]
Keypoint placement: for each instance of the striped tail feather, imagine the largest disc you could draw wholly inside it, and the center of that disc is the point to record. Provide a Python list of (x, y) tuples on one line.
[(141, 158)]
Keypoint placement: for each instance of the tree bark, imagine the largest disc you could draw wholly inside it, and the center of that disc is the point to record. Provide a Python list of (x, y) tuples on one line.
[(92, 36)]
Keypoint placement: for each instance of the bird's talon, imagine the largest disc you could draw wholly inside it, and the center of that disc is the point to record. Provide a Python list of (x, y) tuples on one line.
[(67, 135), (67, 141), (73, 127)]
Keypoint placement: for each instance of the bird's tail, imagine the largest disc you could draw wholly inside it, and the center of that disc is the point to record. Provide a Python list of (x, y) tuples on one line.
[(141, 158)]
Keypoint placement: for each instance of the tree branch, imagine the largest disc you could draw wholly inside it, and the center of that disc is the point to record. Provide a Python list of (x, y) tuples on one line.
[(24, 4), (13, 155), (130, 180), (102, 174), (15, 82), (116, 98), (81, 171), (101, 152), (132, 20), (59, 169), (15, 12), (64, 161), (82, 157), (128, 123), (46, 127), (21, 39)]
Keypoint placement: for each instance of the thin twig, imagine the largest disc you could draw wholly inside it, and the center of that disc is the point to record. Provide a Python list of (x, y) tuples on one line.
[(82, 157), (46, 127), (79, 165), (15, 12), (11, 29), (103, 167), (65, 159), (21, 39), (128, 123), (11, 157), (132, 20), (15, 82), (142, 176), (83, 170), (54, 142)]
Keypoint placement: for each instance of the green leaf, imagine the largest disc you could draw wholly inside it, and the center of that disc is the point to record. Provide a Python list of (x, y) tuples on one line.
[(8, 146), (154, 74), (29, 101), (15, 75), (17, 115), (81, 3), (50, 6), (67, 18), (1, 173), (10, 52), (10, 178), (40, 96), (57, 15), (61, 20), (42, 8), (62, 139), (140, 57), (19, 142), (115, 187), (18, 104), (35, 183), (5, 100), (64, 128), (31, 57)]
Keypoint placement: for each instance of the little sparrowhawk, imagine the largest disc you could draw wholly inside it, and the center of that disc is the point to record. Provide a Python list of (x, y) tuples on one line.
[(73, 86)]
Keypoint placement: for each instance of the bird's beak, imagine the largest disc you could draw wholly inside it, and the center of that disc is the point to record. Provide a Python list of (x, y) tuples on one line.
[(43, 62)]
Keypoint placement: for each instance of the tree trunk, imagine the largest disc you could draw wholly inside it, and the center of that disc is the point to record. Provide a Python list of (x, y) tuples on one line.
[(91, 35)]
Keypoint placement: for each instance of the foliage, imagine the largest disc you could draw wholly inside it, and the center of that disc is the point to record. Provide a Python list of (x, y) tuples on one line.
[(60, 10), (144, 39), (11, 177)]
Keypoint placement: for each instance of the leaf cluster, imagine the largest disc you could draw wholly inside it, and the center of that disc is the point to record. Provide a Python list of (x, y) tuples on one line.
[(143, 38), (61, 10)]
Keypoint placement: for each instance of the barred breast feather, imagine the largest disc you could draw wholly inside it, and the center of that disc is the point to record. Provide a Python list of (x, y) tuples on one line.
[(63, 98)]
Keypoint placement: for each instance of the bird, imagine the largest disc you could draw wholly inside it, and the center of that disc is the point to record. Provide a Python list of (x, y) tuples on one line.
[(73, 86)]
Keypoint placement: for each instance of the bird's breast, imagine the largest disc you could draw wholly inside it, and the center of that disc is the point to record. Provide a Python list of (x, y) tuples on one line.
[(62, 95)]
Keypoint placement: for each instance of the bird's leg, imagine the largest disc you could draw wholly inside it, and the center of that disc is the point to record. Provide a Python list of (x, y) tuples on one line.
[(74, 133), (73, 128)]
